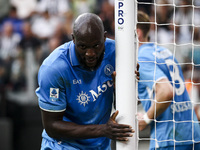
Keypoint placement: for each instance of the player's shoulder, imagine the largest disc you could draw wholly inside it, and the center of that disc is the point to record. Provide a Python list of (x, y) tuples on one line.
[(151, 51), (163, 53), (109, 40), (58, 54), (109, 47), (110, 43), (58, 58), (146, 52)]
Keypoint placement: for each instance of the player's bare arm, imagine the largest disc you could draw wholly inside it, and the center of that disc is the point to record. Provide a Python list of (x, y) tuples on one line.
[(164, 95), (59, 129)]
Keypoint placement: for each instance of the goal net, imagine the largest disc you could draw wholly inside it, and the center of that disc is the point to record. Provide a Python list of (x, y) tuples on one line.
[(175, 25)]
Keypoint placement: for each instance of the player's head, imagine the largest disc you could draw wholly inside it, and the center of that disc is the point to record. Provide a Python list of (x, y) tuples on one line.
[(89, 37), (143, 26)]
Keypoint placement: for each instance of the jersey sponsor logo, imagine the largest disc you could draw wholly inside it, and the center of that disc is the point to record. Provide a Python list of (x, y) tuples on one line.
[(83, 98), (75, 81), (100, 89), (108, 70), (54, 94), (181, 106)]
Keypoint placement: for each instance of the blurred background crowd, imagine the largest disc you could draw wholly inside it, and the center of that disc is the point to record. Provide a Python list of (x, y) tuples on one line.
[(31, 29)]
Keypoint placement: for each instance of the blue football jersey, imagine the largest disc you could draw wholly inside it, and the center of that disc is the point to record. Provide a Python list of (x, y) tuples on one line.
[(174, 125), (85, 96)]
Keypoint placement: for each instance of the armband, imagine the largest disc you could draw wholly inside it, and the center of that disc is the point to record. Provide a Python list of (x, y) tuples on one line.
[(146, 119)]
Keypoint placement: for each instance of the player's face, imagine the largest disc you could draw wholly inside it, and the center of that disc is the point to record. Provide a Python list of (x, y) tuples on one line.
[(90, 49)]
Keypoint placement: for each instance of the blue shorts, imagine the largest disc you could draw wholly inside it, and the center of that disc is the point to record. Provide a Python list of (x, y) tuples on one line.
[(51, 145), (180, 147)]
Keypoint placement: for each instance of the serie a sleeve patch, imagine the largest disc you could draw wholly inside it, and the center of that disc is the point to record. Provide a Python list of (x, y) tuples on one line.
[(54, 94)]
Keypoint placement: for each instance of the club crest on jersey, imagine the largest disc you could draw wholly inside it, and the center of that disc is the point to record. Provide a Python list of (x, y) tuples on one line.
[(108, 70), (83, 98), (54, 94)]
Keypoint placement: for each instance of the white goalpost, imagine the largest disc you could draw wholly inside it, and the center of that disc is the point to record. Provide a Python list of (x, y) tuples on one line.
[(180, 35), (125, 64)]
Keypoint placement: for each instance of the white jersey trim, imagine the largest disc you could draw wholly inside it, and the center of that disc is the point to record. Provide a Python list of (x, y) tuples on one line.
[(52, 110), (163, 77)]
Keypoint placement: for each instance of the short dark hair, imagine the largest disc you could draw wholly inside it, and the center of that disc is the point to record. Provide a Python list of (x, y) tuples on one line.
[(143, 24)]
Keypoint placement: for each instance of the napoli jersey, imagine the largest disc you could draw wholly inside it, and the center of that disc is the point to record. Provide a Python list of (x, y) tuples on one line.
[(85, 96), (174, 125)]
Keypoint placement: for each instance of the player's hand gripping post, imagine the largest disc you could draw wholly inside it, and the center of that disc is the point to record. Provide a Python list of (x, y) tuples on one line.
[(116, 131)]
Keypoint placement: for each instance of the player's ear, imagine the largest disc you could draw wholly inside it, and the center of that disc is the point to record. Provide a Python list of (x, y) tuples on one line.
[(139, 33)]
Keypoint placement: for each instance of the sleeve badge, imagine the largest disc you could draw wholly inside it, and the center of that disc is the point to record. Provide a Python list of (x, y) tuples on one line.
[(54, 94)]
